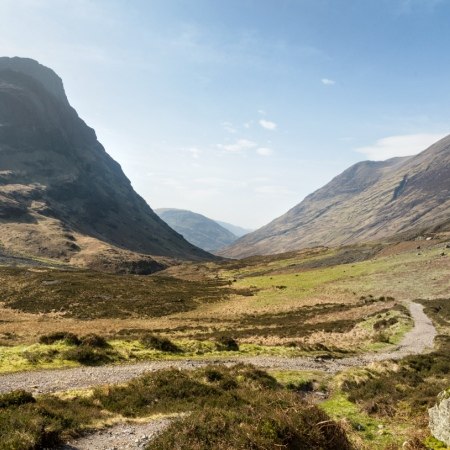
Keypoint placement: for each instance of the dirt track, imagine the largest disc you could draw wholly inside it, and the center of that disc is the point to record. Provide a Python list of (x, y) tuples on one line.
[(418, 340)]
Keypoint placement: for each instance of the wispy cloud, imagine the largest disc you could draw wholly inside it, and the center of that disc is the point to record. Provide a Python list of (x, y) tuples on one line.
[(239, 146), (229, 127), (328, 82), (268, 125), (401, 145), (264, 151)]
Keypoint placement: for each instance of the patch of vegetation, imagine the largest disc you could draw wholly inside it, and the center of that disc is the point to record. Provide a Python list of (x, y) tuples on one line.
[(241, 405), (271, 421), (89, 356), (411, 388), (94, 341), (43, 422), (16, 398), (159, 343), (90, 295), (227, 343), (51, 338)]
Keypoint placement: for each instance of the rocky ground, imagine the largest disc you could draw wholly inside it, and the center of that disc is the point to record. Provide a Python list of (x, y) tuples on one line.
[(130, 436)]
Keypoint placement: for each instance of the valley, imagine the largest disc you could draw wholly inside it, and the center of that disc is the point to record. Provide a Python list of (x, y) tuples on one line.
[(324, 316), (125, 327)]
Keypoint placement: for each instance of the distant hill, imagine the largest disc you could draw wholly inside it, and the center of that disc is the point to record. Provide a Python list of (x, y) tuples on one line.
[(369, 201), (197, 229), (61, 195), (237, 231)]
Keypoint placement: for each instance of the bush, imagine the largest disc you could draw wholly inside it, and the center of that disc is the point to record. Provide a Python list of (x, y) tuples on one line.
[(159, 343), (88, 356), (227, 343), (94, 341), (163, 391), (69, 338), (42, 423), (274, 421), (16, 398)]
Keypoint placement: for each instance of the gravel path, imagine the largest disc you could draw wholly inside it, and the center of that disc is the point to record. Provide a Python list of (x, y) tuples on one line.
[(135, 436), (416, 341), (129, 436)]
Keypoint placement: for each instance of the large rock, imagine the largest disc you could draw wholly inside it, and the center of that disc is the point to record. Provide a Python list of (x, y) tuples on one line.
[(440, 418)]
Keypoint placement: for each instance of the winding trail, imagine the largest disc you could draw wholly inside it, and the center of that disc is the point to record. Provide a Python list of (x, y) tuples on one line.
[(416, 341)]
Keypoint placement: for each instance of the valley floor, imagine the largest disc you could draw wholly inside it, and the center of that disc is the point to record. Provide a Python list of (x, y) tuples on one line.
[(348, 329)]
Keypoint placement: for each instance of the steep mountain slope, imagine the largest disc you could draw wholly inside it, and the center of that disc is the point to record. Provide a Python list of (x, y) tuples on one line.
[(60, 192), (197, 229), (236, 230), (368, 201)]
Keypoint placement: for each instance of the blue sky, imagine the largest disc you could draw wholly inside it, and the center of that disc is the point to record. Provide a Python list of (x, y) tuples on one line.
[(238, 109)]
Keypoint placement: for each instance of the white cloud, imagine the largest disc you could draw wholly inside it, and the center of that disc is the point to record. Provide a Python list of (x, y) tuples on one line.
[(194, 151), (229, 127), (238, 146), (262, 112), (268, 125), (264, 151), (401, 145), (327, 82)]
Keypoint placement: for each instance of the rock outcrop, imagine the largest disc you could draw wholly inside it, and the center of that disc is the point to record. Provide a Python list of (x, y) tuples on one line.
[(440, 418)]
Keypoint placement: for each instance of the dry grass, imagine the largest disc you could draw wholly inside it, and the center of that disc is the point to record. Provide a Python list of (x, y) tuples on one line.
[(197, 301)]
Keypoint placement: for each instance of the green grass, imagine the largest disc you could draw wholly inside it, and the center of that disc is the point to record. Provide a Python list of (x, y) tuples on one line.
[(374, 432)]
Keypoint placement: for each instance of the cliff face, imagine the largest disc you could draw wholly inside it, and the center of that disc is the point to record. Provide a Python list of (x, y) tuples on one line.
[(369, 201), (56, 179)]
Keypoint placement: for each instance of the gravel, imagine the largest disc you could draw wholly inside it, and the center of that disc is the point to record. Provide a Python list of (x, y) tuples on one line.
[(418, 340), (135, 436), (123, 436)]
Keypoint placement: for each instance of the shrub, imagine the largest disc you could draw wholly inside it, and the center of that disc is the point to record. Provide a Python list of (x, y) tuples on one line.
[(69, 338), (274, 421), (88, 356), (94, 341), (162, 391), (227, 343), (159, 343), (16, 398)]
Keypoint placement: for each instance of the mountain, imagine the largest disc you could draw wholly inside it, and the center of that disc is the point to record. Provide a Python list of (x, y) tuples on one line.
[(197, 229), (369, 201), (236, 230), (61, 195)]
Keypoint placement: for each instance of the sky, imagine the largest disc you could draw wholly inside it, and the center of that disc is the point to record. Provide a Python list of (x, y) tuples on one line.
[(238, 109)]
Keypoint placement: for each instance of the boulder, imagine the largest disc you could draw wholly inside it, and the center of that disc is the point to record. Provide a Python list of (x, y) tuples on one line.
[(440, 418)]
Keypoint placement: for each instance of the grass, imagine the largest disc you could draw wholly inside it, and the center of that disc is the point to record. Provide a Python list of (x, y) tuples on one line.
[(399, 394), (244, 407), (91, 295)]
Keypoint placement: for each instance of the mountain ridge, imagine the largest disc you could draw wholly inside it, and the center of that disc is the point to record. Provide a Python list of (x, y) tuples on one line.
[(57, 180), (368, 201), (198, 229)]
